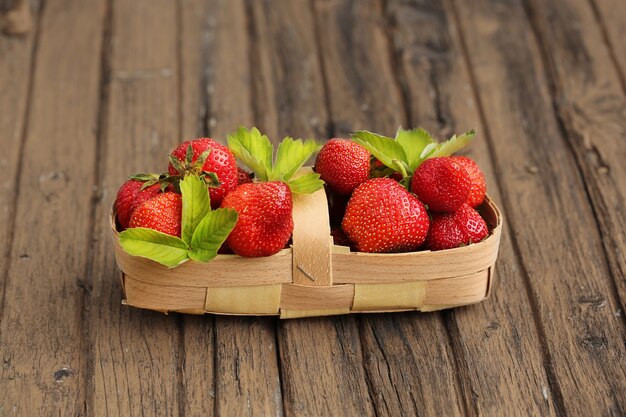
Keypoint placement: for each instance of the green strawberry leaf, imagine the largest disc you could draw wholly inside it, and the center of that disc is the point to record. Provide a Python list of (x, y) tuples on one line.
[(452, 145), (202, 159), (253, 149), (210, 178), (189, 155), (196, 204), (385, 149), (306, 184), (159, 247), (211, 234), (290, 156), (177, 164), (144, 177), (413, 143)]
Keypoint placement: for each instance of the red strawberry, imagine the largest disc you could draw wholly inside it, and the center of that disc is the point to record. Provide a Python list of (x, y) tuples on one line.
[(243, 176), (451, 230), (162, 212), (442, 184), (478, 186), (265, 207), (220, 161), (129, 197), (343, 165), (265, 218), (382, 216)]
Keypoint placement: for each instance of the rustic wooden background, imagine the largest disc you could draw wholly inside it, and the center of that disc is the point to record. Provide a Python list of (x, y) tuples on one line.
[(100, 89)]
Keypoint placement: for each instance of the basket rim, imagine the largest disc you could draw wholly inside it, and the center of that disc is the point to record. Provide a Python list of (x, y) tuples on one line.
[(344, 250)]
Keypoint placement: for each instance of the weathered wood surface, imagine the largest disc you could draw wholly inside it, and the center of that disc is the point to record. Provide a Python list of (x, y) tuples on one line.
[(96, 91), (42, 341), (440, 97), (574, 298), (591, 106)]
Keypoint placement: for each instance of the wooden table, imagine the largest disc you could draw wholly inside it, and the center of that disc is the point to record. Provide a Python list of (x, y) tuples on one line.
[(100, 89)]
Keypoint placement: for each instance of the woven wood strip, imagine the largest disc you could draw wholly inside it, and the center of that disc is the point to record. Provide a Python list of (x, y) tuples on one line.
[(311, 240)]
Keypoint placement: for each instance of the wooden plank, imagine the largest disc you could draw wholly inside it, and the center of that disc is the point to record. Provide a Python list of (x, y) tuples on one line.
[(242, 350), (15, 84), (198, 339), (362, 90), (247, 378), (287, 81), (592, 109), (363, 94), (611, 15), (136, 354), (321, 358), (438, 88), (561, 252), (41, 327)]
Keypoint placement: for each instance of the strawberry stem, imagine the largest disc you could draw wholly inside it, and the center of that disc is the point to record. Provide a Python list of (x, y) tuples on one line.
[(399, 164)]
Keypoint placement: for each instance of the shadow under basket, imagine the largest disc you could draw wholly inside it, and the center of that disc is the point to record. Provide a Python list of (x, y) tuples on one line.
[(315, 277)]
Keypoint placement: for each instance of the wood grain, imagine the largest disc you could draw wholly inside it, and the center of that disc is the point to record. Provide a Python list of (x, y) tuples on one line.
[(198, 332), (246, 373), (41, 330), (15, 84), (592, 108), (363, 93), (247, 381), (136, 353), (611, 16), (321, 362), (287, 80), (439, 93), (562, 255)]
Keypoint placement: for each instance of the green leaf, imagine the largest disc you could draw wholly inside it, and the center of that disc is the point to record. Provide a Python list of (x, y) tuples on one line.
[(211, 234), (159, 247), (428, 150), (210, 178), (413, 143), (189, 155), (290, 156), (144, 177), (177, 164), (196, 204), (306, 184), (202, 158), (385, 149), (253, 149), (452, 145)]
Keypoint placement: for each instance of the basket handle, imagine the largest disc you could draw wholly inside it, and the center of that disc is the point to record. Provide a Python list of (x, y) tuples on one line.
[(312, 242)]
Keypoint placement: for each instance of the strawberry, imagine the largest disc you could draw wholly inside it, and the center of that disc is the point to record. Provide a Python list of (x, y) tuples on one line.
[(204, 155), (243, 176), (265, 218), (451, 230), (478, 186), (442, 184), (130, 196), (265, 207), (343, 165), (382, 216), (162, 212)]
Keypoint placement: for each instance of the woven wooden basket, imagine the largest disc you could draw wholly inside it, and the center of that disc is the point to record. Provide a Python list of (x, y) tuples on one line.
[(315, 277)]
